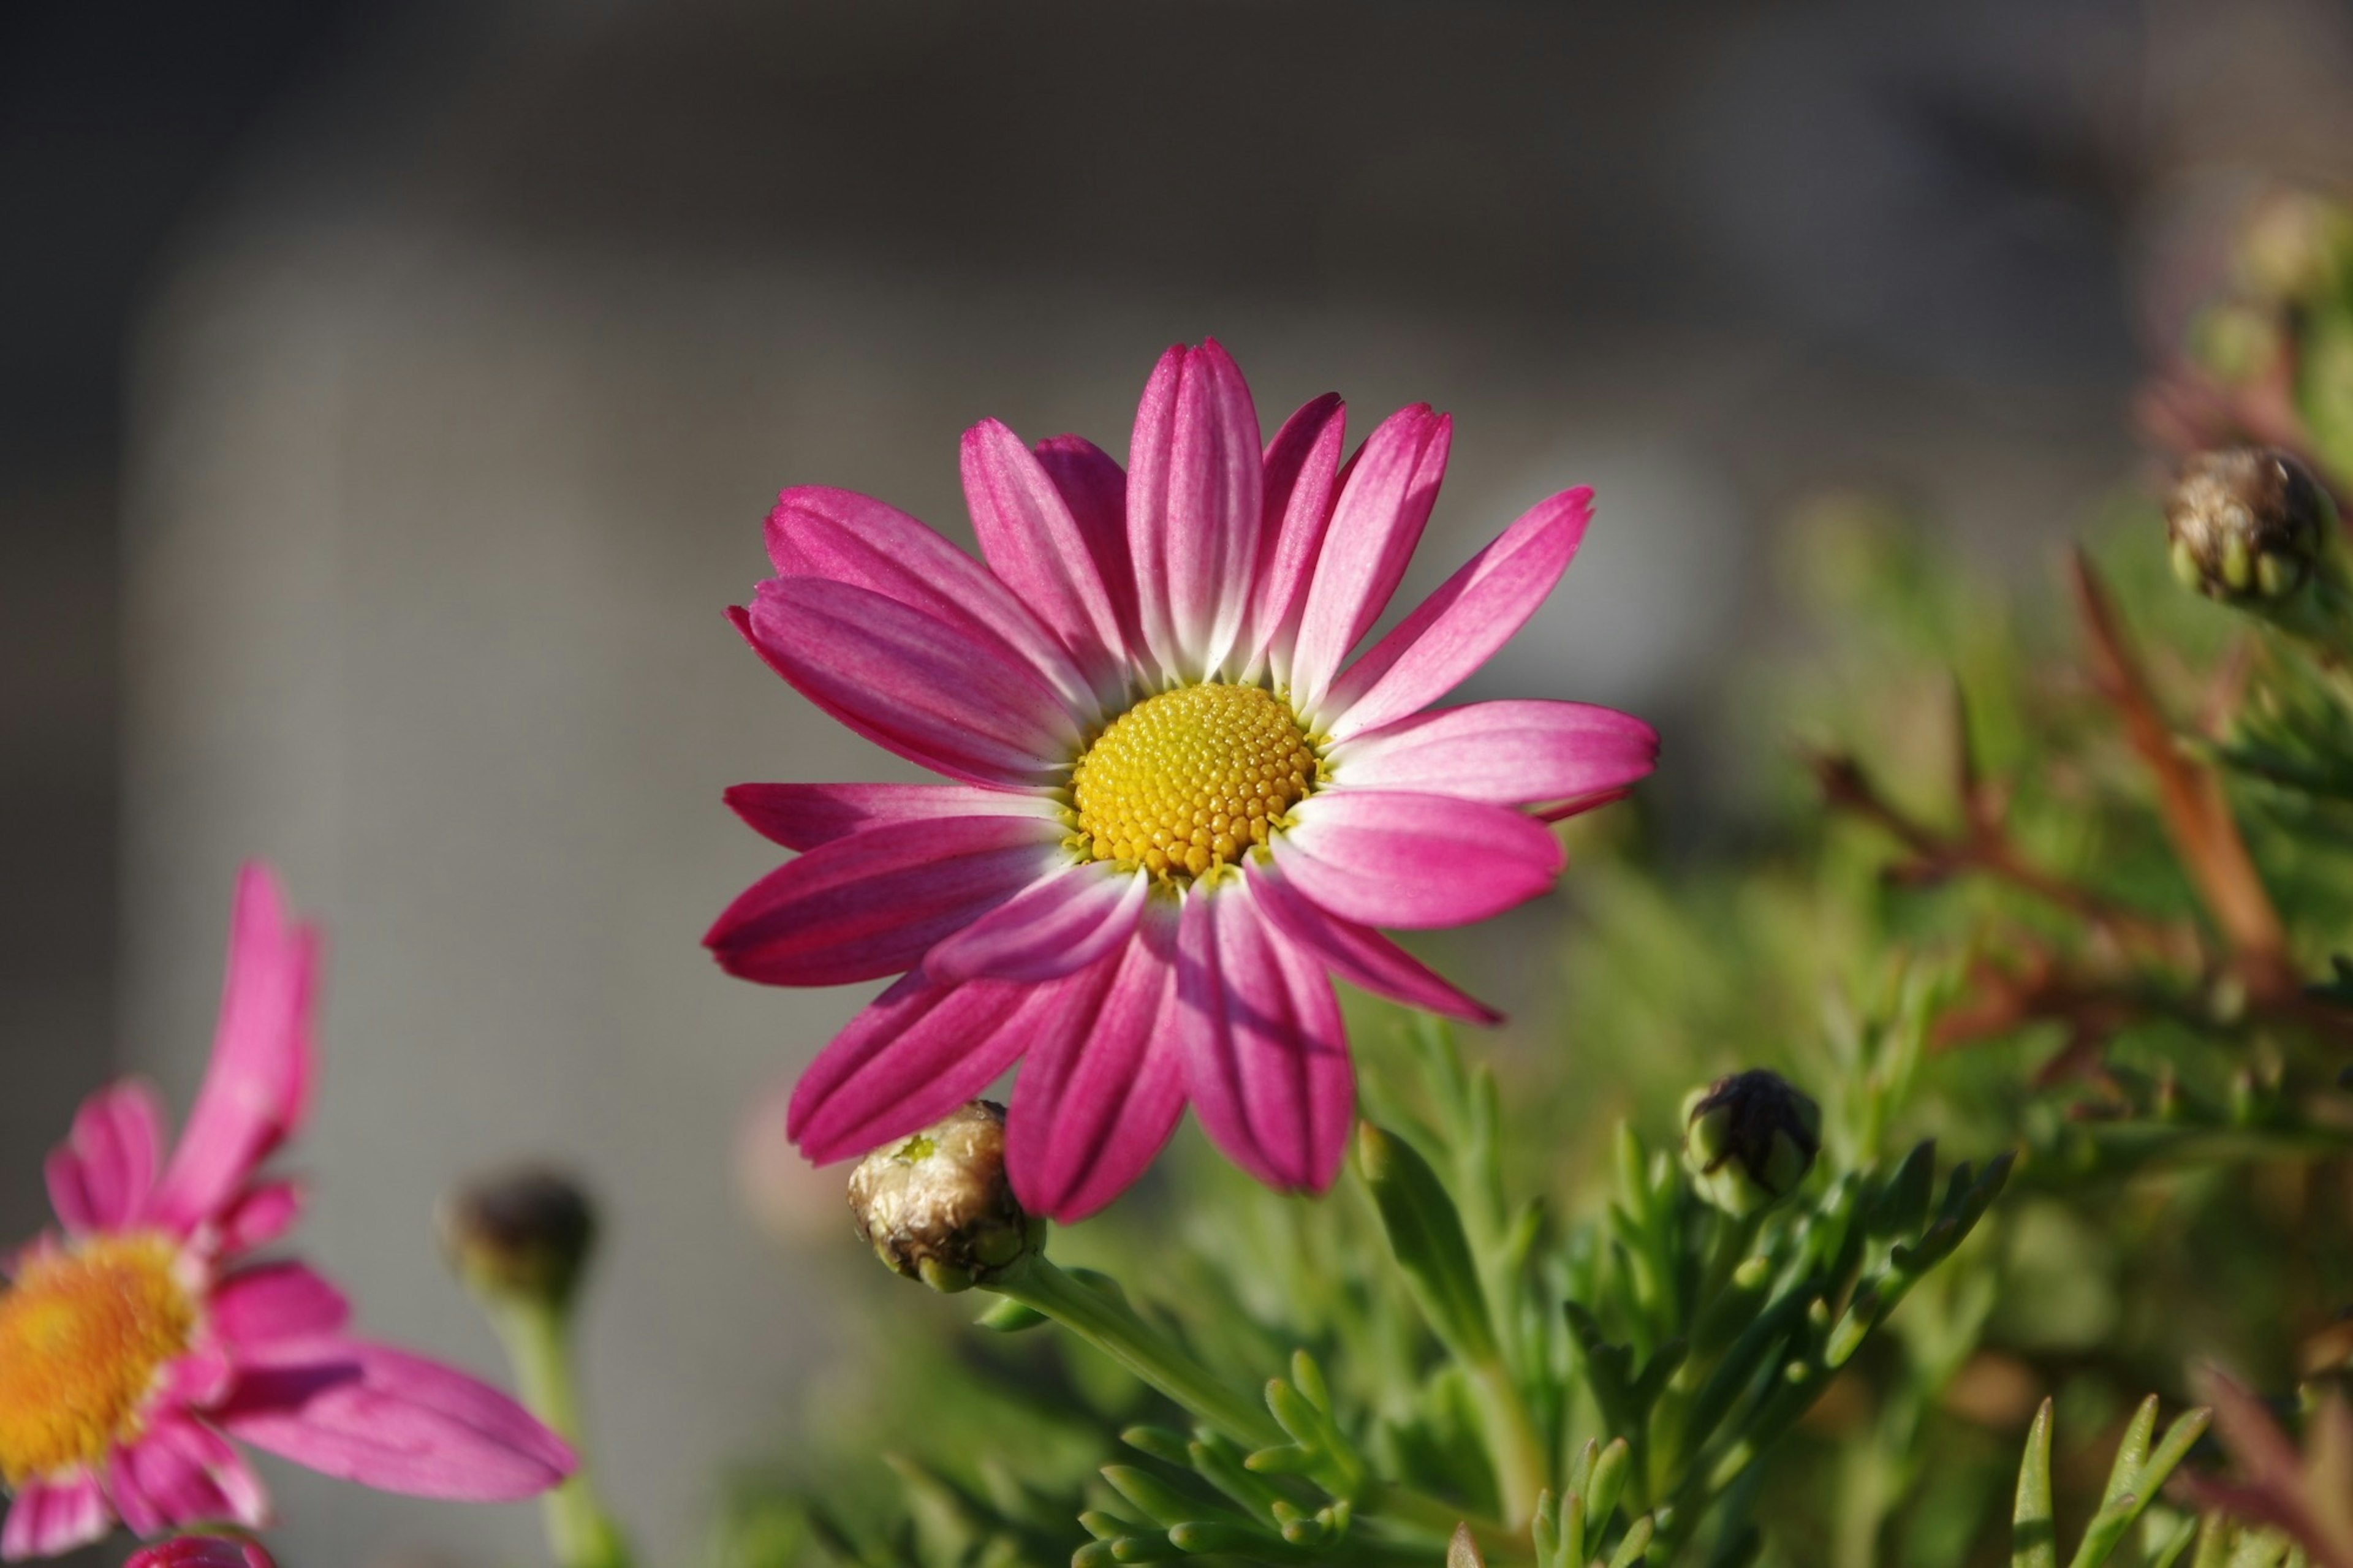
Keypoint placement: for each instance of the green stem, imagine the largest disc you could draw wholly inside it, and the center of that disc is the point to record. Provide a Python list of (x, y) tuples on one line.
[(1114, 1327), (1517, 1452), (580, 1532)]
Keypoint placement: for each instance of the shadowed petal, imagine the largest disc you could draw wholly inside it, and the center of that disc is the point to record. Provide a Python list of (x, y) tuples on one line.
[(1384, 505), (257, 1087), (397, 1422), (49, 1518), (1359, 954), (1102, 1084), (1414, 862), (937, 693), (1508, 753), (1036, 548), (102, 1176), (871, 904), (1266, 1058), (1301, 473), (1193, 507), (273, 1302), (804, 815), (924, 1048), (1048, 930), (1452, 633), (202, 1551), (845, 537)]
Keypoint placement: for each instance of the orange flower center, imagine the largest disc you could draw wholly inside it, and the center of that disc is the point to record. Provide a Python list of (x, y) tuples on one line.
[(1191, 778), (83, 1335)]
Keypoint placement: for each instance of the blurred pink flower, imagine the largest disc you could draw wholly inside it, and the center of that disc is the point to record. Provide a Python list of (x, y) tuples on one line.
[(202, 1551), (2309, 1495), (134, 1345), (1177, 808)]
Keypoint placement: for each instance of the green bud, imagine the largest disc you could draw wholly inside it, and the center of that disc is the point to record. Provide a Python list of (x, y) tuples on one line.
[(1749, 1139), (521, 1236), (2249, 523), (938, 1206)]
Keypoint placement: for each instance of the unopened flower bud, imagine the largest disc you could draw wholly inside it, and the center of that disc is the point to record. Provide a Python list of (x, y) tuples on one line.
[(2248, 523), (1749, 1138), (938, 1206), (521, 1236)]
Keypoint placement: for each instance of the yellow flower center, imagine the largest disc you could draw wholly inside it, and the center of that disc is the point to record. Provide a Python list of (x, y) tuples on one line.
[(83, 1335), (1191, 778)]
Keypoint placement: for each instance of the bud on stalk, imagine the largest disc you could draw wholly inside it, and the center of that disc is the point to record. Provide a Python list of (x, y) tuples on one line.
[(1749, 1139), (938, 1206), (2248, 526)]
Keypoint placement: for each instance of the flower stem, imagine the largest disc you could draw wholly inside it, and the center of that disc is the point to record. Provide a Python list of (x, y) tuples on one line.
[(538, 1339), (1113, 1327)]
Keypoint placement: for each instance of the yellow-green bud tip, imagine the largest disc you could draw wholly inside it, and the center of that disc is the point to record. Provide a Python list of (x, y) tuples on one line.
[(522, 1235), (938, 1207), (2247, 524), (1749, 1138)]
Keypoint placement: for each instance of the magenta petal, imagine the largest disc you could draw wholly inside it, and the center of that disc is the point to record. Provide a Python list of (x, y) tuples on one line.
[(804, 815), (1095, 486), (1049, 929), (259, 1215), (873, 903), (845, 537), (49, 1518), (397, 1422), (1035, 547), (1103, 1083), (1360, 955), (937, 693), (201, 1552), (1266, 1058), (1508, 753), (1473, 613), (102, 1177), (272, 1302), (1193, 508), (1302, 474), (1383, 507), (257, 1089), (924, 1047), (1415, 861)]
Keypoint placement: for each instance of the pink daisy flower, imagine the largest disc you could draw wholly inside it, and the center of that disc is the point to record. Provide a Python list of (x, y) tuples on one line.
[(134, 1346), (1177, 806)]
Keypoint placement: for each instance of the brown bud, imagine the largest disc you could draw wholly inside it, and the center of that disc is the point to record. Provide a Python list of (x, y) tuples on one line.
[(1749, 1138), (938, 1206), (523, 1235), (2247, 524)]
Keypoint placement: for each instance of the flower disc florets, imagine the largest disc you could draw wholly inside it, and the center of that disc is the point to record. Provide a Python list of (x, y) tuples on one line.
[(1191, 778), (84, 1334)]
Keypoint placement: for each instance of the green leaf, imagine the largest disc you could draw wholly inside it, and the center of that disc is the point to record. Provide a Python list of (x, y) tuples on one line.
[(1638, 1541), (1425, 1232), (2034, 1530)]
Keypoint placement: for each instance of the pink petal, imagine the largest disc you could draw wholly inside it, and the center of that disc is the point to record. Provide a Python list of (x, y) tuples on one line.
[(1301, 472), (1102, 1084), (1036, 548), (1266, 1057), (1414, 862), (845, 537), (200, 1378), (160, 1481), (936, 693), (1508, 753), (255, 1308), (258, 1088), (804, 815), (873, 903), (201, 1552), (1050, 928), (924, 1047), (1359, 954), (1383, 508), (49, 1518), (1473, 614), (1095, 486), (399, 1422), (259, 1215), (1193, 508), (102, 1176)]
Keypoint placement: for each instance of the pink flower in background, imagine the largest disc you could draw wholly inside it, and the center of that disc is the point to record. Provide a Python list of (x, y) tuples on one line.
[(202, 1551), (1177, 806), (136, 1343)]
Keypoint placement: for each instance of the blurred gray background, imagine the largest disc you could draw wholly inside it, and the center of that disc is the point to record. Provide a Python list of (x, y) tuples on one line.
[(390, 395)]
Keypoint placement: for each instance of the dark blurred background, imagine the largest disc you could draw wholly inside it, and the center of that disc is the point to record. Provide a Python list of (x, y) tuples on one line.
[(390, 395)]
